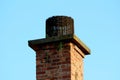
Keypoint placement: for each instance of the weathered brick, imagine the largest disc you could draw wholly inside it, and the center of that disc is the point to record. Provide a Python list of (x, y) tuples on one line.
[(60, 55), (63, 64)]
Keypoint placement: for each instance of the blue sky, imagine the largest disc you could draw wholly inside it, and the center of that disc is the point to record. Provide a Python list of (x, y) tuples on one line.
[(97, 24)]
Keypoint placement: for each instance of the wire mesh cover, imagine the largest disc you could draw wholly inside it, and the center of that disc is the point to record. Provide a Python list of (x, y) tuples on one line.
[(59, 26)]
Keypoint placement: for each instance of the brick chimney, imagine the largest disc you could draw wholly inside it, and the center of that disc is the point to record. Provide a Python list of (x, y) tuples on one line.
[(60, 55)]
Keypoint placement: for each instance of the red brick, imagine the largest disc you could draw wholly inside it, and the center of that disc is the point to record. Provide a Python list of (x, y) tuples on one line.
[(63, 64)]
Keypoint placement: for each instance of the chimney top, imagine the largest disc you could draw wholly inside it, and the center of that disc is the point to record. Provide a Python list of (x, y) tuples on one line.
[(59, 29)]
